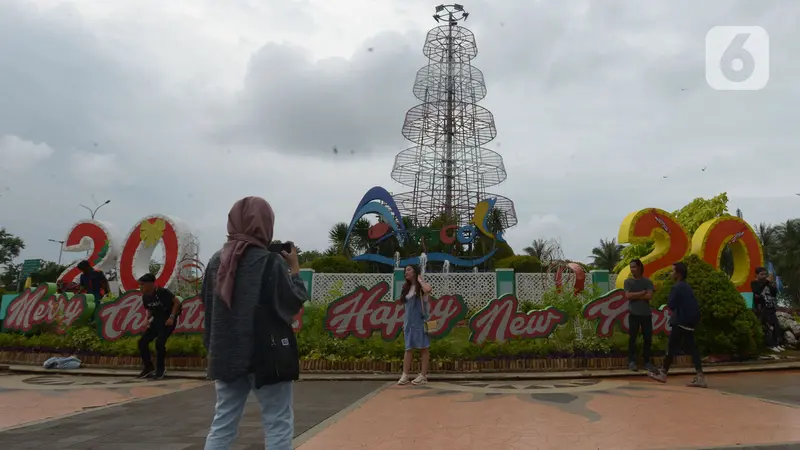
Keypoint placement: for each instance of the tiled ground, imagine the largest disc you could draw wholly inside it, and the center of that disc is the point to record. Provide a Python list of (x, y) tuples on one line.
[(738, 410), (176, 421), (618, 414), (32, 398)]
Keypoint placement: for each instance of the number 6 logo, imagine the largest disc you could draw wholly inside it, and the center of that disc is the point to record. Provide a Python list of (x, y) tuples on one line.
[(737, 58)]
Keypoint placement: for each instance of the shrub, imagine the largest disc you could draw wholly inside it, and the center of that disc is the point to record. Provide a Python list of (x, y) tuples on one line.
[(521, 264), (726, 326), (333, 264)]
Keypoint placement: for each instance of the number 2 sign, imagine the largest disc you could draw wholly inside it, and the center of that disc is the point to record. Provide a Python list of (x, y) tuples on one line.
[(672, 244), (132, 258)]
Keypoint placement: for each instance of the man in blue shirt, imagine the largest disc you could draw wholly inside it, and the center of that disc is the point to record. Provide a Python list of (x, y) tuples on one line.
[(684, 317), (93, 281)]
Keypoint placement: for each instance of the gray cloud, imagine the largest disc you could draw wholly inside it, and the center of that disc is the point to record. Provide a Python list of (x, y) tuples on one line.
[(294, 104)]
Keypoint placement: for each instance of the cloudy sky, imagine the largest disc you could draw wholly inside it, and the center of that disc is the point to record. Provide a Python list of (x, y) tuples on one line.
[(182, 107)]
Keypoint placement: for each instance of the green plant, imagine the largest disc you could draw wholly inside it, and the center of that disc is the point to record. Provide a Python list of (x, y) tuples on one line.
[(521, 264), (726, 326), (83, 339)]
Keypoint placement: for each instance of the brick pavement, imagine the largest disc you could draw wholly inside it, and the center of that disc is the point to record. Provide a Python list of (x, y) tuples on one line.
[(753, 410), (178, 421)]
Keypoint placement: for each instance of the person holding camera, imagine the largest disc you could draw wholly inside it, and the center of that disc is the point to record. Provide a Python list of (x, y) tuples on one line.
[(252, 291), (163, 309)]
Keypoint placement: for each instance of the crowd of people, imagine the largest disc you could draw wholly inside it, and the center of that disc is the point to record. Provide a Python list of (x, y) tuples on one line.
[(252, 292)]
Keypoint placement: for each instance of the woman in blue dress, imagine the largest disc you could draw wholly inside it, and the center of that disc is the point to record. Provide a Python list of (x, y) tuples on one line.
[(415, 296)]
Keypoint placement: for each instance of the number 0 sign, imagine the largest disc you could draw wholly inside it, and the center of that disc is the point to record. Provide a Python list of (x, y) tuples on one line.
[(135, 254), (672, 244)]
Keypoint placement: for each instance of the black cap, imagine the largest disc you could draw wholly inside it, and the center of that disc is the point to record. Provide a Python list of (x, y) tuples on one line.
[(147, 278)]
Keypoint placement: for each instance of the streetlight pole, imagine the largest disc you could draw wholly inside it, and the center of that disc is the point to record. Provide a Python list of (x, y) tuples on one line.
[(60, 250), (94, 211)]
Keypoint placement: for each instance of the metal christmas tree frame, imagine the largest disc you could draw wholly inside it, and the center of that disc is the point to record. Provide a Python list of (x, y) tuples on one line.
[(448, 169)]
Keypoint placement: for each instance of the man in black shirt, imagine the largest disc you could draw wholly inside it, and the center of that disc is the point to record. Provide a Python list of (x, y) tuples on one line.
[(163, 309), (765, 294), (684, 318), (93, 281)]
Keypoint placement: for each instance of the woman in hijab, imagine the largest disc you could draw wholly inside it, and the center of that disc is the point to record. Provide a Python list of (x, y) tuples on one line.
[(240, 278)]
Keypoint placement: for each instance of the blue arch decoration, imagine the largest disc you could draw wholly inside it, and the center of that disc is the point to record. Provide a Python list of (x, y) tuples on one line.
[(367, 205)]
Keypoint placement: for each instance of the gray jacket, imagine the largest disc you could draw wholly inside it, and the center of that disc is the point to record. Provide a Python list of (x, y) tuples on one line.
[(229, 331)]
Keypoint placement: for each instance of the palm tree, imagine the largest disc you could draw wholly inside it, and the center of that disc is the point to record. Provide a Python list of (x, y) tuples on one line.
[(606, 255), (770, 239), (542, 249), (358, 242)]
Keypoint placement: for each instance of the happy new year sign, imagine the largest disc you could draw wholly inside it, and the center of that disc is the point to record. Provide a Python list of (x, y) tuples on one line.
[(360, 314)]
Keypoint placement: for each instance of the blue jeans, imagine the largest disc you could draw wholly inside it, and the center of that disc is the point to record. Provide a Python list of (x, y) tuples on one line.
[(277, 414)]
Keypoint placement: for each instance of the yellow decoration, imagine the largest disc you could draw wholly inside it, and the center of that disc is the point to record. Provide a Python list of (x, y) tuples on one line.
[(711, 238), (479, 217), (658, 226), (28, 283), (151, 233)]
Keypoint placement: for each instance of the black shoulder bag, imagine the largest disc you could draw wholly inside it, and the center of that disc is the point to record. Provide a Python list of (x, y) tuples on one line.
[(275, 356)]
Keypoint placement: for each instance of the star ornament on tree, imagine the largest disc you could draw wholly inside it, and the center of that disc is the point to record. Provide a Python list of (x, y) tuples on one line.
[(151, 233)]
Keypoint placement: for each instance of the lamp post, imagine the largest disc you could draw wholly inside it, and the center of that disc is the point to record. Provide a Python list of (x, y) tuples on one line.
[(60, 249), (94, 211)]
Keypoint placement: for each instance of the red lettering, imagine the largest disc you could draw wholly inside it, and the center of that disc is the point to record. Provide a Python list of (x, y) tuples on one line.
[(500, 320), (193, 316), (612, 309), (126, 316), (42, 306), (446, 238), (361, 313)]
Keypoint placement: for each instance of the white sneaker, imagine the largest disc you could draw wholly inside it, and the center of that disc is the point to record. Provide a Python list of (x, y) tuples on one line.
[(403, 380), (420, 380), (781, 349), (774, 349)]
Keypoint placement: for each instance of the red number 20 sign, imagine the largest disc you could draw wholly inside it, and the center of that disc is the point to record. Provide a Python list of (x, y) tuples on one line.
[(672, 243), (132, 259)]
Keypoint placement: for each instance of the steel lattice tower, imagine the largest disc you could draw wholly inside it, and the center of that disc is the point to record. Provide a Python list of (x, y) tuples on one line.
[(448, 169)]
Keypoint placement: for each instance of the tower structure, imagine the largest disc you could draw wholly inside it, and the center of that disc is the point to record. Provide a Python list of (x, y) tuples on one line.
[(448, 169)]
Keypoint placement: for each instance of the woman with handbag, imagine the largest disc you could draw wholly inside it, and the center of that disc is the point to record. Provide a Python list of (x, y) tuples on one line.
[(415, 296), (251, 296)]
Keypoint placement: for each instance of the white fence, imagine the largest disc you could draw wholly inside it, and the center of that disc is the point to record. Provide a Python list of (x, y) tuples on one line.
[(475, 288)]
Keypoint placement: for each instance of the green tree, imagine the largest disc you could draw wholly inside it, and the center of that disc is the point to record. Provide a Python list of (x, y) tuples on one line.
[(359, 239), (770, 237), (10, 247), (10, 277), (607, 254), (543, 249), (48, 273), (334, 264), (786, 258), (521, 264), (308, 256)]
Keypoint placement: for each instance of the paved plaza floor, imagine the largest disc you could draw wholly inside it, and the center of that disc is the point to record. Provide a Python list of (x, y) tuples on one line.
[(744, 410)]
